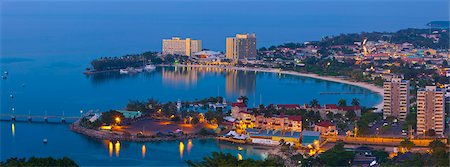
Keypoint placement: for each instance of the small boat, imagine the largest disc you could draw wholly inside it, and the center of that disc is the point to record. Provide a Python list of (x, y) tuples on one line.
[(3, 77), (240, 148), (123, 71), (11, 96), (45, 141), (6, 72), (149, 67)]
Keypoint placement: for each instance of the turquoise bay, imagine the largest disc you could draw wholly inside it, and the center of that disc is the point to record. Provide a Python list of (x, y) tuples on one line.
[(54, 86)]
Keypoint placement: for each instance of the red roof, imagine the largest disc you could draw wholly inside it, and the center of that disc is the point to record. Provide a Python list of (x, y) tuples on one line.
[(350, 108), (331, 106), (325, 124), (246, 112), (287, 106), (238, 105), (295, 118)]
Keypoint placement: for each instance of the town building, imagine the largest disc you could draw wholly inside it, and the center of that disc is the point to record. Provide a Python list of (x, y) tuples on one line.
[(396, 98), (241, 47), (273, 137), (430, 110), (325, 128), (178, 46), (246, 119), (310, 138)]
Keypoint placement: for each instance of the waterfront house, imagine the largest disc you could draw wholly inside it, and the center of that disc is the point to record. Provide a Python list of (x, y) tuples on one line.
[(325, 128), (273, 137)]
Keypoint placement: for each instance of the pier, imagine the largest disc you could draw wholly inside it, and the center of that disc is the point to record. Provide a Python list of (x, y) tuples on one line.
[(30, 118)]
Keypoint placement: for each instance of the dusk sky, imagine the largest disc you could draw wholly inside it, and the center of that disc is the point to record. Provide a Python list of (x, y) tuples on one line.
[(112, 28)]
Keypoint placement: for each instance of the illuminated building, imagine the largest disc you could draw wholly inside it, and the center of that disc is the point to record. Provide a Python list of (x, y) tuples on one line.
[(396, 101), (177, 46), (325, 128), (430, 110), (241, 47)]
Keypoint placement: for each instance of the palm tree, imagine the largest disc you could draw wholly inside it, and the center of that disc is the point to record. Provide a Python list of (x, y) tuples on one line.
[(244, 99), (342, 103), (314, 103), (355, 102)]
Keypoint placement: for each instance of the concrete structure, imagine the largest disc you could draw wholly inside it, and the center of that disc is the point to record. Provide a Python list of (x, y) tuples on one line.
[(241, 47), (273, 137), (177, 46), (396, 98), (430, 110)]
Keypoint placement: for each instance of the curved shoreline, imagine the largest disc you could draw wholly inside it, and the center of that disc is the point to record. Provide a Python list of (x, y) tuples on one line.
[(104, 135), (365, 85)]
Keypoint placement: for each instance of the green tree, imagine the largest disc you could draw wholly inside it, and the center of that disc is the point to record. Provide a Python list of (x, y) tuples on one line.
[(407, 144), (337, 156), (226, 159), (436, 145), (350, 115), (112, 117), (430, 132), (195, 120), (33, 161), (314, 103), (355, 102), (244, 99), (342, 103)]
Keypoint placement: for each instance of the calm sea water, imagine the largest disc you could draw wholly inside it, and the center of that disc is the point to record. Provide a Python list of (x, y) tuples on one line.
[(56, 86), (45, 45)]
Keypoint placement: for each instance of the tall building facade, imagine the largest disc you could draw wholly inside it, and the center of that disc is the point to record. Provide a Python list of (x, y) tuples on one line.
[(430, 110), (177, 46), (396, 102), (241, 47)]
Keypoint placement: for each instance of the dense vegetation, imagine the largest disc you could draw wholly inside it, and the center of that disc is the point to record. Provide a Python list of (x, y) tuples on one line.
[(410, 35), (111, 117), (134, 60), (33, 161), (226, 159)]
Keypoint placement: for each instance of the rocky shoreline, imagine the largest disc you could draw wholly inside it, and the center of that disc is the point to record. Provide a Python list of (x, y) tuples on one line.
[(105, 135)]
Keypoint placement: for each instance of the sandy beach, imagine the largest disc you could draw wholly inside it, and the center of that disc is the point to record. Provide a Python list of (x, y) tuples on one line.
[(371, 87)]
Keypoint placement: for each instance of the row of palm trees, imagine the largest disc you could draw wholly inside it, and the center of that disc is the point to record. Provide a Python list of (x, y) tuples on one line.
[(315, 103), (341, 103)]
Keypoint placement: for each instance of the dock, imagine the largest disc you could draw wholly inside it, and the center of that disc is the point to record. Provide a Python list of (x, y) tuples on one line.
[(30, 118)]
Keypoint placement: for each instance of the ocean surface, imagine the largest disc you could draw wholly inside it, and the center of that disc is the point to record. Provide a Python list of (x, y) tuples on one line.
[(46, 45), (49, 87)]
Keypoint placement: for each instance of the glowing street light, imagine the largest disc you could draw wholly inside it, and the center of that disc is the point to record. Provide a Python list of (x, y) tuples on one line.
[(117, 120)]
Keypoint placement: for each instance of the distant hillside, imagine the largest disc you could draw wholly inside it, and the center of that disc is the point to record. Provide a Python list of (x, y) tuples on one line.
[(439, 24)]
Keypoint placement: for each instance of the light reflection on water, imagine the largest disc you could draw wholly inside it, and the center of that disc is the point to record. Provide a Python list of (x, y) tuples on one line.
[(143, 151), (181, 148), (110, 149), (117, 148), (189, 146), (13, 130)]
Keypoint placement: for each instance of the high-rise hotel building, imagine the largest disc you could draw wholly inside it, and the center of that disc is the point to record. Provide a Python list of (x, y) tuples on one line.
[(177, 46), (430, 110), (241, 47), (396, 102)]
